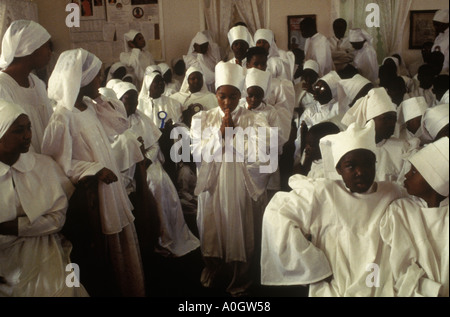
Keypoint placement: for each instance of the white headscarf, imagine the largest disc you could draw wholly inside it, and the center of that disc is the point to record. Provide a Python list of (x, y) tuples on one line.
[(374, 104), (148, 80), (240, 32), (74, 69), (113, 68), (121, 88), (22, 38), (129, 36), (257, 77), (441, 16), (349, 88), (332, 79), (199, 38), (185, 85), (229, 74), (164, 68), (311, 64), (432, 163), (9, 113), (411, 108), (266, 34), (434, 119)]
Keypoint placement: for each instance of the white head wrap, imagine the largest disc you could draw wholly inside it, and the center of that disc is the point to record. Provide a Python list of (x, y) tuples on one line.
[(22, 38), (432, 163), (240, 32), (107, 92), (335, 146), (349, 88), (332, 79), (199, 38), (229, 74), (74, 69), (185, 85), (266, 34), (163, 67), (411, 108), (434, 119), (311, 64), (151, 69), (121, 88), (113, 68), (359, 35), (374, 104), (110, 83), (129, 36), (9, 113), (257, 77), (441, 16), (395, 59), (148, 80)]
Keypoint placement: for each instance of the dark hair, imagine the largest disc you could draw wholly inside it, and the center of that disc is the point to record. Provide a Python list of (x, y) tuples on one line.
[(324, 128), (256, 50), (339, 21), (441, 82), (240, 23)]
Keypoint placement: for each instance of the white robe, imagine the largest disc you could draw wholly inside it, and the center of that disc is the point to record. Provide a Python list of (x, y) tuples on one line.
[(318, 48), (33, 100), (341, 52), (207, 99), (279, 68), (442, 41), (365, 61), (206, 62), (138, 60), (151, 107), (35, 191), (226, 190), (418, 239), (345, 238)]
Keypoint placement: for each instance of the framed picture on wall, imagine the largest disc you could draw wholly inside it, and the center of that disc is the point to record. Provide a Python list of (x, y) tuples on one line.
[(295, 38), (421, 28)]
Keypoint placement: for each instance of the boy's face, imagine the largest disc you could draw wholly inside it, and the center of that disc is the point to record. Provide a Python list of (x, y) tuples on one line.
[(130, 101), (157, 87), (264, 44), (258, 61), (310, 77), (255, 96), (312, 149), (239, 48), (357, 169), (139, 41), (228, 97), (195, 82), (414, 124), (385, 125), (416, 185), (322, 92)]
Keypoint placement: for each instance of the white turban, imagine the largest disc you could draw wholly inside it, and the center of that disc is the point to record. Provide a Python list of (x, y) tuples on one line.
[(311, 64), (411, 108), (267, 35), (121, 88), (240, 32), (335, 146), (257, 77), (129, 36), (432, 164), (74, 69), (151, 69), (9, 113), (434, 119), (185, 85), (22, 38), (229, 74), (374, 104), (359, 35), (113, 68), (332, 79), (349, 88), (441, 16)]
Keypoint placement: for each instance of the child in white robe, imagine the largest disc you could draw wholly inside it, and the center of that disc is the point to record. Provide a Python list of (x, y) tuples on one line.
[(435, 121), (303, 89), (325, 233), (26, 47), (172, 85), (240, 41), (365, 58), (416, 228), (78, 137), (175, 234), (34, 194), (410, 114), (226, 189)]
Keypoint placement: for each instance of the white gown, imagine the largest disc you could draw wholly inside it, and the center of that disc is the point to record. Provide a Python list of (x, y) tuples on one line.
[(345, 238), (137, 60), (33, 100), (318, 48), (365, 61), (341, 52), (151, 107), (418, 239), (207, 99)]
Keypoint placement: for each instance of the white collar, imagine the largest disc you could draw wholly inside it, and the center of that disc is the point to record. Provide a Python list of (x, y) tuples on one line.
[(24, 164)]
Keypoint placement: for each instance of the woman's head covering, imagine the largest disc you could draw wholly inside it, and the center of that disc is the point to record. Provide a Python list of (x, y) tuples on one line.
[(266, 34), (411, 108), (110, 83), (257, 77), (374, 104), (74, 69), (359, 35), (433, 120), (229, 74), (113, 68), (394, 59), (349, 88), (441, 16), (148, 80), (335, 146), (185, 85), (151, 69), (199, 38), (311, 64), (129, 36), (164, 68), (432, 163), (332, 79), (22, 38), (240, 32), (121, 88), (9, 113)]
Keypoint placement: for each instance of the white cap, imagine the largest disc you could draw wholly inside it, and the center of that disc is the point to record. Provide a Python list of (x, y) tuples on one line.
[(411, 108), (240, 32), (432, 163), (129, 36), (349, 88), (229, 74), (163, 67), (332, 79), (10, 112), (434, 119), (335, 146), (257, 77), (441, 16), (121, 88), (311, 64)]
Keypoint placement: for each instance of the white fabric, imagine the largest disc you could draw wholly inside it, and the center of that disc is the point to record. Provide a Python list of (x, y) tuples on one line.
[(81, 67), (80, 142), (121, 88), (442, 42), (129, 36), (151, 107), (332, 79), (10, 112), (185, 85), (341, 51), (344, 232), (359, 35), (164, 68), (433, 120), (349, 88), (207, 99), (318, 48), (394, 59), (311, 64), (22, 38), (33, 100), (138, 60), (411, 108), (113, 68), (441, 16), (418, 239), (257, 77), (365, 61), (35, 191), (240, 32), (229, 74), (432, 163)]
